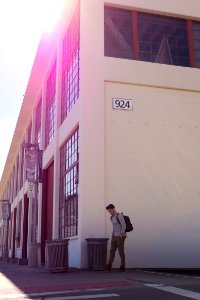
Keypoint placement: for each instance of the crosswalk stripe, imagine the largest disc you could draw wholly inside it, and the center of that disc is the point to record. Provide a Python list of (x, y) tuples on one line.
[(83, 297), (46, 294), (174, 290)]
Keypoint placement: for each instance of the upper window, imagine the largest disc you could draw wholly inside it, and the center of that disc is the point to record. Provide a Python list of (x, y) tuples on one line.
[(38, 122), (150, 37), (70, 68), (22, 166), (29, 132), (163, 40), (118, 33), (196, 37), (50, 106)]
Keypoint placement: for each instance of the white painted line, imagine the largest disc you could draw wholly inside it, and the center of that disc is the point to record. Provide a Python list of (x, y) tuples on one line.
[(96, 290), (24, 296), (83, 297), (63, 292), (168, 274), (53, 293), (13, 296), (174, 290)]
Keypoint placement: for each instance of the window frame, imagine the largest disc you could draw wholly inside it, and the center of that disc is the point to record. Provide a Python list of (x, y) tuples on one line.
[(135, 31), (50, 118), (68, 200), (71, 65)]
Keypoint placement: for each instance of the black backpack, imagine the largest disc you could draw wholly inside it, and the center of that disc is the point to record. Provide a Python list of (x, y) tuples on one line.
[(129, 226)]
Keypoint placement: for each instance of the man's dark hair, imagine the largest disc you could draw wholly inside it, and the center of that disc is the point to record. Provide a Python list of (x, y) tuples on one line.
[(110, 206)]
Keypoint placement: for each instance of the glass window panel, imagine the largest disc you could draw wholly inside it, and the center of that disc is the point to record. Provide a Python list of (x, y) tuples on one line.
[(182, 42), (181, 32), (166, 34), (197, 54), (197, 44), (196, 34), (118, 33), (70, 71), (196, 25), (144, 47), (183, 52), (183, 61), (145, 56), (50, 106), (69, 178), (198, 63)]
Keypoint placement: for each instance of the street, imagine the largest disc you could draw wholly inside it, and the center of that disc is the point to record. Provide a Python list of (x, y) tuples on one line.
[(22, 282), (181, 287)]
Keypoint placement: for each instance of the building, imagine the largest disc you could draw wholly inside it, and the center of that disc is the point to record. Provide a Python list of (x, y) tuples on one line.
[(113, 100)]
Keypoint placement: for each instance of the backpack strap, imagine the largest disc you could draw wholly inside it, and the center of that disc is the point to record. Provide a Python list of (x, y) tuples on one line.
[(118, 219)]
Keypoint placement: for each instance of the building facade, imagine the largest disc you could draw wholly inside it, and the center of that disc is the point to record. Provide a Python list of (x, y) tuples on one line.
[(113, 101)]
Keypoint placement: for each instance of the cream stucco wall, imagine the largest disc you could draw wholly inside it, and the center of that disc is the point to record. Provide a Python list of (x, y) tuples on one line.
[(148, 165), (153, 172)]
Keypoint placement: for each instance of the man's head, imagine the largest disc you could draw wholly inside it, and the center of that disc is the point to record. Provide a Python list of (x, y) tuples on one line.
[(111, 209)]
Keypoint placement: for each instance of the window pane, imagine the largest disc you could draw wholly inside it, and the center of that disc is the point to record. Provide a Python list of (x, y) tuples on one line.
[(69, 180), (197, 53), (50, 106), (70, 69), (118, 33), (196, 36), (163, 39)]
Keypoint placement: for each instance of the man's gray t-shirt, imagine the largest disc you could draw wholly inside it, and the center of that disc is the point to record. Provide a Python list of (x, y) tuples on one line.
[(118, 228)]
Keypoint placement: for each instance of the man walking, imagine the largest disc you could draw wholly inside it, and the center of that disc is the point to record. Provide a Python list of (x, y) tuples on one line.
[(118, 238)]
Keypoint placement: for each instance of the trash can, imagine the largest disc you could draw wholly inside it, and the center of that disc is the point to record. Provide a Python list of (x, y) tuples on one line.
[(56, 255), (97, 253)]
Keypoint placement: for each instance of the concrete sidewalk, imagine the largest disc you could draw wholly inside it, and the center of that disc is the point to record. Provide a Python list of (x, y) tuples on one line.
[(16, 279)]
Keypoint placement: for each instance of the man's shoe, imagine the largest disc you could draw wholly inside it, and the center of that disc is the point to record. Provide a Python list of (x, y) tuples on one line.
[(122, 269), (107, 268)]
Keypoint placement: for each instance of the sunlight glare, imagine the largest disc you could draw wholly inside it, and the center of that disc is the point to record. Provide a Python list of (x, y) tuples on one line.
[(51, 11)]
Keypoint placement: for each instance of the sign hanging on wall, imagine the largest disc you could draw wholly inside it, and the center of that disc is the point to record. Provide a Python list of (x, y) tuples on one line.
[(31, 193), (5, 209), (31, 156), (121, 103)]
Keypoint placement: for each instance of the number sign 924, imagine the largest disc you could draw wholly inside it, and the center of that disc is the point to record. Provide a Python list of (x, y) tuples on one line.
[(120, 103)]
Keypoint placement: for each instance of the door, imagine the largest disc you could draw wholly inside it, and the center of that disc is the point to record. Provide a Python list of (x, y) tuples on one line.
[(14, 232), (25, 227), (47, 208)]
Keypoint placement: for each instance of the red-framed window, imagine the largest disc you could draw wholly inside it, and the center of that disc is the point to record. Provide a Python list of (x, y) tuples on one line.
[(22, 167), (29, 133), (13, 183), (69, 158), (118, 33), (71, 65), (38, 122), (196, 44), (50, 106), (151, 37), (17, 176)]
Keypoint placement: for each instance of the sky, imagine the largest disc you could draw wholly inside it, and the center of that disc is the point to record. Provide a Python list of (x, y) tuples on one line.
[(22, 23)]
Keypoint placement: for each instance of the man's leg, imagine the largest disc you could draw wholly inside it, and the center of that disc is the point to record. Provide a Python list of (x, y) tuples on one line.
[(112, 253), (120, 246)]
